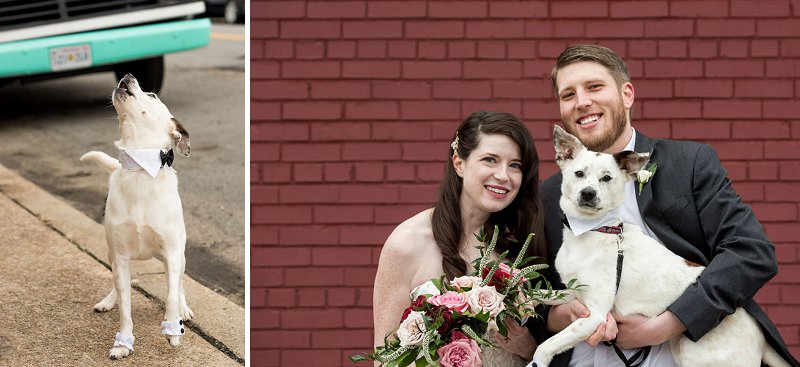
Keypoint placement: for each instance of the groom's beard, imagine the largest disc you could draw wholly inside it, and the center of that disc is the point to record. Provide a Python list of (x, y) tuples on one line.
[(608, 137)]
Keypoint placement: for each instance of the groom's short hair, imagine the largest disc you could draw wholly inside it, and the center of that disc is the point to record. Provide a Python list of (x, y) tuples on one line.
[(594, 53)]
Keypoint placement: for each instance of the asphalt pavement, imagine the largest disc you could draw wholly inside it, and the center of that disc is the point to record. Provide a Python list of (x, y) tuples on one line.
[(53, 269)]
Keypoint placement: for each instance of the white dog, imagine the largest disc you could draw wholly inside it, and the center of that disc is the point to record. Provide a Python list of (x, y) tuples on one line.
[(143, 214), (593, 185)]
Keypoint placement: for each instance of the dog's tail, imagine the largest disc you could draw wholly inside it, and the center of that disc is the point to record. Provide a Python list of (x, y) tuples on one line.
[(103, 160), (772, 358)]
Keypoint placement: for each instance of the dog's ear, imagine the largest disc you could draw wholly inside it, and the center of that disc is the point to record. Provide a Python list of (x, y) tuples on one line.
[(180, 137), (631, 162), (567, 145)]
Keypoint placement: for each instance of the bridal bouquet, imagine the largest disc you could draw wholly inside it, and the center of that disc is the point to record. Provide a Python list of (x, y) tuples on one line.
[(449, 322)]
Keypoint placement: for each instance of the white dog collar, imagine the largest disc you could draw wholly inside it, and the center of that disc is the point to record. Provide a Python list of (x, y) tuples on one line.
[(580, 226), (146, 159), (124, 341), (173, 327)]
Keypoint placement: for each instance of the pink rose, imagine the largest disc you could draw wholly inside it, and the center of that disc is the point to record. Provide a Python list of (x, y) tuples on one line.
[(485, 299), (461, 352), (452, 300)]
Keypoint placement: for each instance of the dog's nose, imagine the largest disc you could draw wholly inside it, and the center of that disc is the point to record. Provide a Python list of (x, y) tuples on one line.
[(127, 79), (588, 194)]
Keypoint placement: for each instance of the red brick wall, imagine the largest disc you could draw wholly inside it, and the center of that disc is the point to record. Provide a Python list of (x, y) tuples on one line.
[(353, 104)]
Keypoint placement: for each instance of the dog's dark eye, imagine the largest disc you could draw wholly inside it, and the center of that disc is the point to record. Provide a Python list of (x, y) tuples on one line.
[(606, 178), (578, 173)]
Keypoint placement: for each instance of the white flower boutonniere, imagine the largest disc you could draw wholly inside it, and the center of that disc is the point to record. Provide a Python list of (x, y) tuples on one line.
[(644, 176)]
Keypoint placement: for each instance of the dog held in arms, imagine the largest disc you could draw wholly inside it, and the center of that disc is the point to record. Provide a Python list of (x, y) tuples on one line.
[(653, 277), (143, 215)]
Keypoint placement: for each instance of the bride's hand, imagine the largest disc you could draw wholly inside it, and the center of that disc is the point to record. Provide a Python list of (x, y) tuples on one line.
[(519, 341)]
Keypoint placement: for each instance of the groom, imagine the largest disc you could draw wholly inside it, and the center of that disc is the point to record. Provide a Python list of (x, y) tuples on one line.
[(688, 205)]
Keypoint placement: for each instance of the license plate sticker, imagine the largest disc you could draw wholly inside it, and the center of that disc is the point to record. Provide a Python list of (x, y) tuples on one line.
[(70, 57)]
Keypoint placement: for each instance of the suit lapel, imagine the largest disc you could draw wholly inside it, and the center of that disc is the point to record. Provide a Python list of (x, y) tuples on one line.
[(652, 216), (650, 213), (644, 198)]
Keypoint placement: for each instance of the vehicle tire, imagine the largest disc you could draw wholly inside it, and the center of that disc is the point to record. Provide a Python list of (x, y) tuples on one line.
[(232, 12), (149, 72)]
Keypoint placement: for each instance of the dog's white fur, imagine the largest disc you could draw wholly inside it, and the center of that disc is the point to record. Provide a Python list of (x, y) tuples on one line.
[(143, 214), (653, 277)]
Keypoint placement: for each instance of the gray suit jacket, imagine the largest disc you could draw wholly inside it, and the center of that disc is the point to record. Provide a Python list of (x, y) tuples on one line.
[(690, 205)]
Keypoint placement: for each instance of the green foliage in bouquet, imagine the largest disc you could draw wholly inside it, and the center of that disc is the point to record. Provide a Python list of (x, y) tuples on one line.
[(518, 279)]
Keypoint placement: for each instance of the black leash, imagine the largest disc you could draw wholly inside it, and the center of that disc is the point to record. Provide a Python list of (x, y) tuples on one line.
[(641, 354), (617, 230)]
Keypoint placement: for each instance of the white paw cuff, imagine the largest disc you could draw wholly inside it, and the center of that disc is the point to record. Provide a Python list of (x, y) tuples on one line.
[(172, 327), (124, 341)]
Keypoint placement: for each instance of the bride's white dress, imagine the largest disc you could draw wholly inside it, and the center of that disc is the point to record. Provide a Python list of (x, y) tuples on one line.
[(491, 357)]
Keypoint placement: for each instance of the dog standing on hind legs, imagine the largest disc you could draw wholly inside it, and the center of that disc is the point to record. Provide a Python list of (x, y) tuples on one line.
[(649, 279), (143, 215)]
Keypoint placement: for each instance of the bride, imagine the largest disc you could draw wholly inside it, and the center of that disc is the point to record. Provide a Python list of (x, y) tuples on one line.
[(490, 179)]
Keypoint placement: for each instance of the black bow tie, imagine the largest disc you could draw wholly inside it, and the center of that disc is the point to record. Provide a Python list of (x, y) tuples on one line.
[(167, 158)]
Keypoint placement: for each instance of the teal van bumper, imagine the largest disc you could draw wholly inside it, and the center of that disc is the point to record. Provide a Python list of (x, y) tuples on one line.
[(97, 48)]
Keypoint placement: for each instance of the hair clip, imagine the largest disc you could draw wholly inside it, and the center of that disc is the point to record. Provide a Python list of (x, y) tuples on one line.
[(454, 144)]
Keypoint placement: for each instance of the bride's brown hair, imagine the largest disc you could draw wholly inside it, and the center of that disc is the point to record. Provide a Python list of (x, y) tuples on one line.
[(522, 216)]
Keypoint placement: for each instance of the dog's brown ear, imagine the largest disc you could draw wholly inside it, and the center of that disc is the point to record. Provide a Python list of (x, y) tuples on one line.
[(181, 138), (631, 162), (567, 145)]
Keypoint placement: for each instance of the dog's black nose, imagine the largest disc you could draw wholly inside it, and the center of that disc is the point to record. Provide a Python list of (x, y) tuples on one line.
[(588, 194)]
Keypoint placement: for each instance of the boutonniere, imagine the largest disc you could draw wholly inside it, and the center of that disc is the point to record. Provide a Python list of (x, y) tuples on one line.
[(644, 176)]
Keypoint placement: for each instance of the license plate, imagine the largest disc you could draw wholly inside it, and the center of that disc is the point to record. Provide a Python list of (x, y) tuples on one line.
[(70, 57)]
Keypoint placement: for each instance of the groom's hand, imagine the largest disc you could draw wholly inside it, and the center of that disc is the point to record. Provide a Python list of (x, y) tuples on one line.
[(562, 315), (605, 332), (636, 331)]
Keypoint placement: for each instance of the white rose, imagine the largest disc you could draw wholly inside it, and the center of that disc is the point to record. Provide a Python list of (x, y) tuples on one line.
[(425, 288), (465, 282), (485, 299), (643, 176), (412, 329)]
